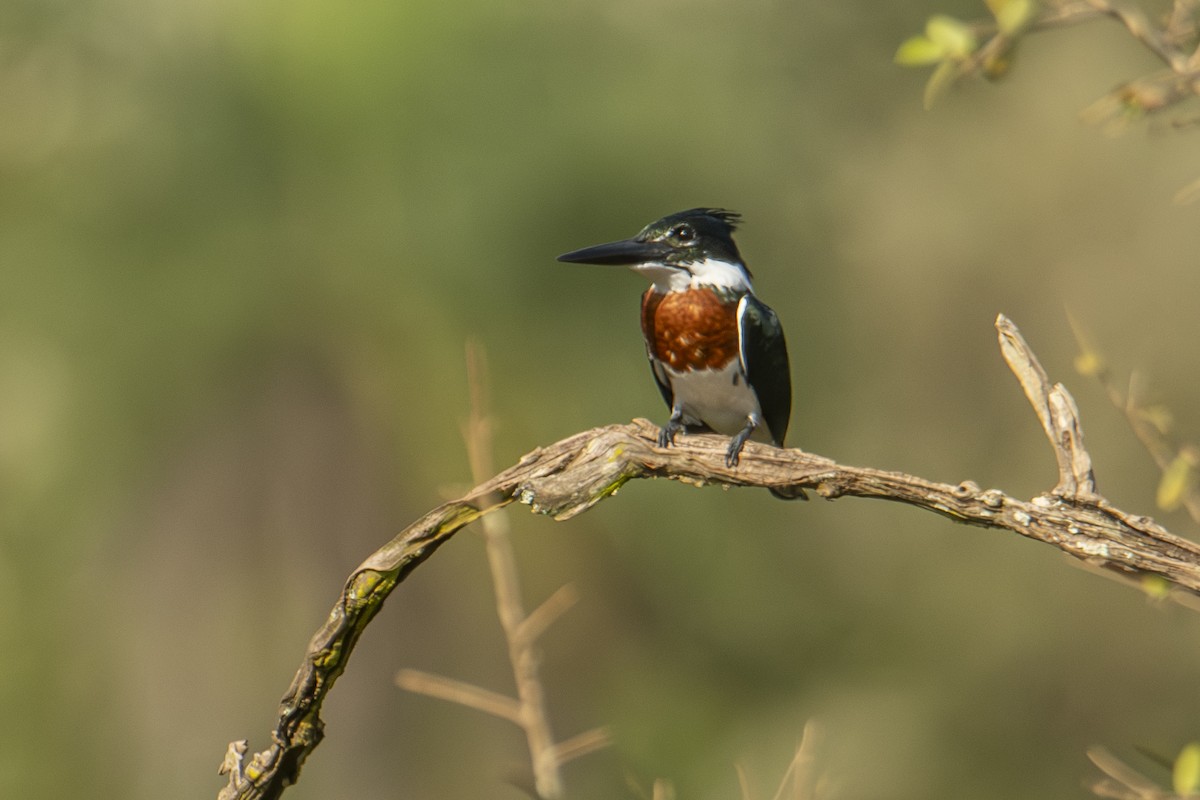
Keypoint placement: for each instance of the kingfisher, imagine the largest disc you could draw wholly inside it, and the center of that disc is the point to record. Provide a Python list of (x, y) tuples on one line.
[(717, 352)]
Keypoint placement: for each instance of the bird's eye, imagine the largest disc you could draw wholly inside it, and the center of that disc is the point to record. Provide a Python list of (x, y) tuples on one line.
[(684, 234)]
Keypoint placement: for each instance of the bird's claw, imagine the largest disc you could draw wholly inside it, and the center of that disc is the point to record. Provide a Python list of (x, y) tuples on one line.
[(666, 434), (734, 454)]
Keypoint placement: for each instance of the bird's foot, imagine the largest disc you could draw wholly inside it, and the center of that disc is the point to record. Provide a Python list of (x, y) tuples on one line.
[(734, 454), (666, 435)]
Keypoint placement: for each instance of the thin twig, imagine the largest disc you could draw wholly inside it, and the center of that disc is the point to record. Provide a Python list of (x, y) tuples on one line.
[(521, 631), (461, 692), (1140, 28), (1149, 428), (744, 782), (1124, 782), (801, 774), (545, 615), (1172, 43), (1180, 28), (582, 744), (534, 718), (1072, 12)]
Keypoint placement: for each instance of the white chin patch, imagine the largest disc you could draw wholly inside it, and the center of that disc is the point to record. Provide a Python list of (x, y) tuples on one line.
[(709, 272), (714, 272), (664, 278)]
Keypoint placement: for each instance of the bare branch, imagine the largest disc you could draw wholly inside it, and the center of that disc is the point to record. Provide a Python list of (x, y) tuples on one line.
[(456, 691), (1140, 28), (1055, 409), (533, 716), (801, 773), (1124, 782), (545, 615), (581, 744), (1151, 425), (521, 630), (568, 477)]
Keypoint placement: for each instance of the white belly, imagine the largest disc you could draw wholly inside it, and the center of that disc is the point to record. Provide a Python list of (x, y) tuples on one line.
[(714, 398)]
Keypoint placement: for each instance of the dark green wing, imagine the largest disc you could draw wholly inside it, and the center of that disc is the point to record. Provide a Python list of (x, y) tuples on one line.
[(765, 362)]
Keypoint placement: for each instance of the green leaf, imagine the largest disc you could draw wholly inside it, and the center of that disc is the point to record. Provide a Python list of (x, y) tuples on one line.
[(1159, 416), (939, 82), (919, 51), (1176, 479), (1089, 364), (953, 35), (1186, 774), (1011, 15), (1156, 587)]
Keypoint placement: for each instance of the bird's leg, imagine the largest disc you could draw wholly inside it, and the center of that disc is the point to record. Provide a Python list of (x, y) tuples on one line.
[(666, 436), (734, 453)]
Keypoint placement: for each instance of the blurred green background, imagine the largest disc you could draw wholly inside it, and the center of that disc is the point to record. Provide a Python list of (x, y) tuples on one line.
[(243, 245)]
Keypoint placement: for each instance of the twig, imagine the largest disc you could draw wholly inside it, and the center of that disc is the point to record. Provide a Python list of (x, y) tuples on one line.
[(521, 631), (581, 744), (545, 615), (1055, 409), (1123, 782), (1149, 428), (465, 694), (1181, 25), (1147, 94), (744, 782), (533, 717), (570, 476), (1070, 12), (1140, 28), (801, 774)]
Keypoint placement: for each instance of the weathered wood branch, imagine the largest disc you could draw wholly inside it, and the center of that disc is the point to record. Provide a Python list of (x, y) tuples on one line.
[(570, 476)]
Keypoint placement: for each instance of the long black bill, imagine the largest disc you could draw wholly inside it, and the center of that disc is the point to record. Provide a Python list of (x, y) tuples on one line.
[(624, 252)]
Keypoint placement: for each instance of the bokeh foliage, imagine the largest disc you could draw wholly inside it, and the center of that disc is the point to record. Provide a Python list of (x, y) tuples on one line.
[(244, 243)]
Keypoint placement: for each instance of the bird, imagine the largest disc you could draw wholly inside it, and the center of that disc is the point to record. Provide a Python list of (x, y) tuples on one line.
[(716, 351)]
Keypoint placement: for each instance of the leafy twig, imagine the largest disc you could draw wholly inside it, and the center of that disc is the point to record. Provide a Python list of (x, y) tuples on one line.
[(1179, 462), (958, 49)]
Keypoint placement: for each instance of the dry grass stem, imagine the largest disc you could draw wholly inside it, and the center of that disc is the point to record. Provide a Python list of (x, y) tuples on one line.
[(465, 694), (801, 775), (1151, 426), (581, 744), (1123, 782)]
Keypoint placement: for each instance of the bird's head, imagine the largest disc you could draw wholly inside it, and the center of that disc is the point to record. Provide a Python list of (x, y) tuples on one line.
[(688, 249)]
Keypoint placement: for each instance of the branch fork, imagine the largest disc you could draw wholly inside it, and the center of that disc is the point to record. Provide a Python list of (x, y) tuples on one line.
[(1056, 410)]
